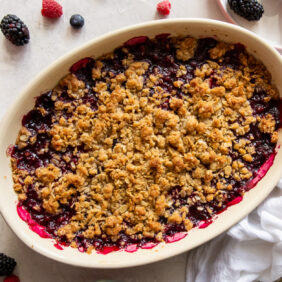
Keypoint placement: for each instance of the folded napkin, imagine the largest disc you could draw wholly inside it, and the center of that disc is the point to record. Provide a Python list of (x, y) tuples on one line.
[(249, 251)]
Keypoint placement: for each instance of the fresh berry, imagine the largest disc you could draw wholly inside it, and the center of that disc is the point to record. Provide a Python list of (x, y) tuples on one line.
[(12, 278), (51, 9), (77, 21), (164, 7), (7, 265), (251, 10), (14, 30)]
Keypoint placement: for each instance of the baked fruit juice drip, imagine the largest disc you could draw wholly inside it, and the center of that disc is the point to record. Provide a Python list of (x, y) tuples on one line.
[(145, 142)]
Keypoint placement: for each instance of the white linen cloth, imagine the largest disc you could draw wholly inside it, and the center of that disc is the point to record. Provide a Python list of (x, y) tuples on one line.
[(249, 251)]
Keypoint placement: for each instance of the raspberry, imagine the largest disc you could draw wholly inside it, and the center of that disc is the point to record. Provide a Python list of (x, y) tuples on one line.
[(7, 265), (51, 9), (12, 278), (14, 30), (164, 7)]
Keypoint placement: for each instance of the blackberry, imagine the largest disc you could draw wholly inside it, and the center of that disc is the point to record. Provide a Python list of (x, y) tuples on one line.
[(77, 21), (15, 30), (7, 265), (251, 10)]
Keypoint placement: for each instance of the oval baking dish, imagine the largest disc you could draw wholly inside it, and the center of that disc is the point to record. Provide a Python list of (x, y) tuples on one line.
[(47, 79)]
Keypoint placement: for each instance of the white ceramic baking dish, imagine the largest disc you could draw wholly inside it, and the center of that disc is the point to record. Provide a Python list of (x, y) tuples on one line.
[(48, 78)]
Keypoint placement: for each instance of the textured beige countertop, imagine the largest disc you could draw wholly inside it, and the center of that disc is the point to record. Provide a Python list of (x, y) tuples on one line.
[(18, 65)]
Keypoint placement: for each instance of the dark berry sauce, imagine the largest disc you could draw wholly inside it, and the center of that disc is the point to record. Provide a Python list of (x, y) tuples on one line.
[(161, 56)]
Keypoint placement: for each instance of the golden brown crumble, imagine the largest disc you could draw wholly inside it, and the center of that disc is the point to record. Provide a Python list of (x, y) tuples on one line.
[(135, 151)]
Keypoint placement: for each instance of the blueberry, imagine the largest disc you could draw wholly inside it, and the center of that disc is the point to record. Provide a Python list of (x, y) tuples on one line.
[(77, 21)]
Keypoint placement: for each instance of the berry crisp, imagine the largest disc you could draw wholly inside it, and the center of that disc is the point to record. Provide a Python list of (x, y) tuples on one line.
[(145, 142)]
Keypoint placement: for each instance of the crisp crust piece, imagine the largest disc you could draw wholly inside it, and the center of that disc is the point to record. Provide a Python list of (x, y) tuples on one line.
[(133, 150)]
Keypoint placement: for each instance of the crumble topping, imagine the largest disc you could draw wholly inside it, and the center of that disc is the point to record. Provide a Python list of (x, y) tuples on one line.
[(138, 149)]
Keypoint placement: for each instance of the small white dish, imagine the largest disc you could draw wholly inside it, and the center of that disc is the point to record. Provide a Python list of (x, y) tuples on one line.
[(269, 27)]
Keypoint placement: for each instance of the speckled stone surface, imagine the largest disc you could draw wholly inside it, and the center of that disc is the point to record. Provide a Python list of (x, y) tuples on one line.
[(50, 39)]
